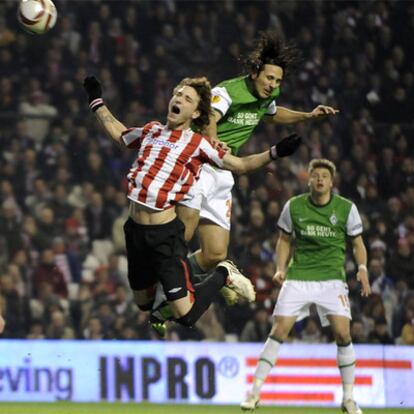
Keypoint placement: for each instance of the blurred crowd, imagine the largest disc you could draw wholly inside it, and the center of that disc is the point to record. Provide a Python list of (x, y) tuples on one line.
[(62, 182)]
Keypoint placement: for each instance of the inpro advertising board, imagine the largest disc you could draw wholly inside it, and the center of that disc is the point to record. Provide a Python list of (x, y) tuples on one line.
[(198, 372)]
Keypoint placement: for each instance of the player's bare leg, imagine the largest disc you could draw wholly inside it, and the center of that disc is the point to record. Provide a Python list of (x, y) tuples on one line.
[(188, 309), (267, 359), (214, 242), (190, 217), (144, 298), (346, 361)]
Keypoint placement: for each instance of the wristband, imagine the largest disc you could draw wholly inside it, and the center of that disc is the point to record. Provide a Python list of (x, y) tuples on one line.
[(273, 152), (362, 267), (96, 103)]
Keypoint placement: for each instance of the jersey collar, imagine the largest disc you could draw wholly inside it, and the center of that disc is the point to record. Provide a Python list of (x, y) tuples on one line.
[(320, 205)]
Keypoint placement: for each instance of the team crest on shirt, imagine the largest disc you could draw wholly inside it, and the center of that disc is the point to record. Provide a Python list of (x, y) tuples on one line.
[(215, 99), (333, 219)]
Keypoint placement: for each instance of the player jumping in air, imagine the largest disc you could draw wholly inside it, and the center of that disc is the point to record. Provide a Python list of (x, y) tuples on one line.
[(239, 104), (320, 222), (169, 159)]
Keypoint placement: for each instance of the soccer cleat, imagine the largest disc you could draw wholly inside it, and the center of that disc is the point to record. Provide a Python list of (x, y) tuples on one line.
[(230, 296), (251, 402), (350, 407), (160, 328), (237, 282)]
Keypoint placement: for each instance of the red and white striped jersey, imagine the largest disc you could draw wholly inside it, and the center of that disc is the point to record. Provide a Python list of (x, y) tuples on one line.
[(168, 163)]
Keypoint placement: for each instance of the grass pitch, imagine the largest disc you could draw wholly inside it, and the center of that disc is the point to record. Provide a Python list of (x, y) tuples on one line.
[(146, 408)]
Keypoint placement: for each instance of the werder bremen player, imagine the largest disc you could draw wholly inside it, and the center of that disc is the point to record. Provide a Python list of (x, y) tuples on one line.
[(238, 104), (320, 223)]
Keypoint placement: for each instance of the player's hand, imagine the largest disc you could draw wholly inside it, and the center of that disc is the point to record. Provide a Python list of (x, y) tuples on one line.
[(93, 88), (217, 144), (362, 276), (323, 110), (287, 146), (2, 324), (279, 277)]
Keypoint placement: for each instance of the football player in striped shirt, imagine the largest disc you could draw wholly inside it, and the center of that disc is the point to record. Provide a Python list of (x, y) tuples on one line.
[(239, 104), (168, 163), (320, 223)]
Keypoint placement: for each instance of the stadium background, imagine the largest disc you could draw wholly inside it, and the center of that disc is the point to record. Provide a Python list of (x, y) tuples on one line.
[(62, 182)]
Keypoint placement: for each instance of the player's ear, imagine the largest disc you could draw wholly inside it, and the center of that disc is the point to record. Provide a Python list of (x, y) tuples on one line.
[(195, 114)]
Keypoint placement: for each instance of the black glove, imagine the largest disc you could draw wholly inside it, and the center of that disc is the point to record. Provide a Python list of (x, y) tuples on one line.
[(287, 146), (94, 90)]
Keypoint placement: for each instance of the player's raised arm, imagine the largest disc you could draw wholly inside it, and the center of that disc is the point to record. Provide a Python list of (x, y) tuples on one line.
[(110, 124), (289, 116), (287, 146)]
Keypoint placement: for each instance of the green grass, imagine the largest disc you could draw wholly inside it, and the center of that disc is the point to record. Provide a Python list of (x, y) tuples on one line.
[(146, 408)]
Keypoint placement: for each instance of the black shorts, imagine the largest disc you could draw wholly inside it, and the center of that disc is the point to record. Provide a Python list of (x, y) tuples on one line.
[(158, 253)]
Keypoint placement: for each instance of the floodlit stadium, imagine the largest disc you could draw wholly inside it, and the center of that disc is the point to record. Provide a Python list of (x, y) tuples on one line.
[(206, 206)]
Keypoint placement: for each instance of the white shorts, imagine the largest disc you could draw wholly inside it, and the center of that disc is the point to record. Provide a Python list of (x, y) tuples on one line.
[(211, 195), (330, 298)]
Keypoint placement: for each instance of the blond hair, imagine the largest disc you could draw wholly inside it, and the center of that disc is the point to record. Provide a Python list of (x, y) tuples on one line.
[(322, 163)]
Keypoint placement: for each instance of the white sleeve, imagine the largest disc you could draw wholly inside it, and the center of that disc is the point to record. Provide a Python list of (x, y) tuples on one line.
[(285, 219), (354, 222), (272, 108), (220, 100), (131, 137)]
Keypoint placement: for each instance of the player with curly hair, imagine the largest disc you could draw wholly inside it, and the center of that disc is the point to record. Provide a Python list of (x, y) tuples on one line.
[(239, 104), (168, 162)]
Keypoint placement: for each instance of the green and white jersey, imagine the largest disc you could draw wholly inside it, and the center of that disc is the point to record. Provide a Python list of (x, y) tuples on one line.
[(320, 236), (241, 111)]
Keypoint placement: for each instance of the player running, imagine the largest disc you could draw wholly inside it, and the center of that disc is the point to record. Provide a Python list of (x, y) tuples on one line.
[(319, 222), (239, 104), (169, 159)]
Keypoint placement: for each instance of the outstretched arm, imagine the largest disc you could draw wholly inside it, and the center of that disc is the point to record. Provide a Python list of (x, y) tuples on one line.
[(287, 146), (289, 116), (110, 124)]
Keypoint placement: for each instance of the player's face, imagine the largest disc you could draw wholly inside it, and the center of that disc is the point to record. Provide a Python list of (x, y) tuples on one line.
[(182, 108), (320, 181), (267, 80)]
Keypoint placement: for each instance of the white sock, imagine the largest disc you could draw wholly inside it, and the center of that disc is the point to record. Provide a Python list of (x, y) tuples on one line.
[(267, 359), (346, 365)]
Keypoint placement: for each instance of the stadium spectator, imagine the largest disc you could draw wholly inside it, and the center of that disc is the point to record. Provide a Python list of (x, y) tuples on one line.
[(257, 330), (47, 272)]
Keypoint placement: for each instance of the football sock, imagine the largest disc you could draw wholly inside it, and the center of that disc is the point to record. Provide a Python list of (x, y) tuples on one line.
[(197, 272), (204, 295), (267, 359), (346, 364)]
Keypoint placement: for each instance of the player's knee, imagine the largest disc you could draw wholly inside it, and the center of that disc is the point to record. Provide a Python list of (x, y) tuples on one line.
[(188, 320), (279, 333), (214, 256), (343, 338)]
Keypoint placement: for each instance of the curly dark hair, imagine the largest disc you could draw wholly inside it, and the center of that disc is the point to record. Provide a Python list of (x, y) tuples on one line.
[(271, 50), (203, 88)]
